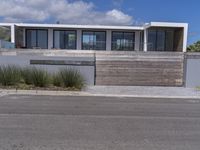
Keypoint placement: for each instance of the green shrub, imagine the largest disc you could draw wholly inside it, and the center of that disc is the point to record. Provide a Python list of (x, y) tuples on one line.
[(35, 76), (26, 75), (57, 80), (40, 78), (10, 75), (69, 78)]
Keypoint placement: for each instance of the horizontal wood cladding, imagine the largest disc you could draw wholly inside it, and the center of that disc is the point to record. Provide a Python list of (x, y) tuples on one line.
[(153, 70)]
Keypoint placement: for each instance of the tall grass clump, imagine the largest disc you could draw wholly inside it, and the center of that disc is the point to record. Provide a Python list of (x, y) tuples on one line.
[(69, 78), (35, 76), (27, 75), (10, 75), (40, 78)]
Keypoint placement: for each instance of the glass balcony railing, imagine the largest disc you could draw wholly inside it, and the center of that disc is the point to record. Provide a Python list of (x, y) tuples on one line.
[(97, 45), (123, 46), (6, 44)]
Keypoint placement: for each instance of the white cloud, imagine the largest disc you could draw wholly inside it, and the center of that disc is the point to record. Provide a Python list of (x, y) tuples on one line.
[(117, 3), (65, 11)]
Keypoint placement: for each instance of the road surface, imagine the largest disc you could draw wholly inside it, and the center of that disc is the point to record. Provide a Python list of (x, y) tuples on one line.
[(98, 123)]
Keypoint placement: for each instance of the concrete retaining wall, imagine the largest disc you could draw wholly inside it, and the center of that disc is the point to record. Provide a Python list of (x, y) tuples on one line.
[(139, 68), (192, 69), (114, 67), (53, 61)]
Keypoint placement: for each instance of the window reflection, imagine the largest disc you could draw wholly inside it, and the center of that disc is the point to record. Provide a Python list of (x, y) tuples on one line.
[(160, 40), (123, 41), (65, 39), (94, 40), (36, 38)]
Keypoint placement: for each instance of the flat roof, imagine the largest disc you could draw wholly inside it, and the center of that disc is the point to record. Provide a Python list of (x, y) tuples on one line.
[(167, 24), (147, 25)]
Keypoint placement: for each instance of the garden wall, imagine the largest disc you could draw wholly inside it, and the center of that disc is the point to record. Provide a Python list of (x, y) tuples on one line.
[(51, 61), (139, 68), (114, 67), (192, 69)]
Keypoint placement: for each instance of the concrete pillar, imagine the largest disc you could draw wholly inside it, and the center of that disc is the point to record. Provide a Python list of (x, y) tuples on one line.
[(12, 28), (24, 37), (108, 40), (79, 40), (137, 40), (50, 38), (145, 40), (185, 35)]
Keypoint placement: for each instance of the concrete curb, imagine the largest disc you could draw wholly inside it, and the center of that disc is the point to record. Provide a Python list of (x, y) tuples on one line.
[(83, 93)]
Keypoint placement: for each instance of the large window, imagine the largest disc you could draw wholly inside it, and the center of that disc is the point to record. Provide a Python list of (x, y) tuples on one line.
[(124, 41), (65, 39), (36, 38), (160, 40), (94, 40)]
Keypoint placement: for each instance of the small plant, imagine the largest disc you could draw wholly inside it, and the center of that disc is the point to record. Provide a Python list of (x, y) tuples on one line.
[(28, 78), (26, 75), (10, 75), (37, 77), (40, 78), (57, 80), (69, 78)]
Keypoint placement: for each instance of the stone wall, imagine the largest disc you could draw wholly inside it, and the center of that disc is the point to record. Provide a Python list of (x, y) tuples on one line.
[(138, 69)]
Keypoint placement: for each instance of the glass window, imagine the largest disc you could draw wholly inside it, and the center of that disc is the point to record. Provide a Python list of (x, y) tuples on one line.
[(42, 39), (123, 41), (169, 40), (151, 40), (160, 40), (31, 38), (93, 40), (87, 41), (65, 39), (37, 39)]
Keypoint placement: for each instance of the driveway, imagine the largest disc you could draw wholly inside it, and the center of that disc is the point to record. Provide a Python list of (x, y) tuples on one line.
[(98, 123)]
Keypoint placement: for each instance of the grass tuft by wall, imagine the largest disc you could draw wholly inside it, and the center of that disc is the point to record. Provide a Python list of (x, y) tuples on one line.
[(33, 77)]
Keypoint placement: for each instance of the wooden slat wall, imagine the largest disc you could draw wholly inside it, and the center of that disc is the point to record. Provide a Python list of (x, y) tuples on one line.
[(139, 69)]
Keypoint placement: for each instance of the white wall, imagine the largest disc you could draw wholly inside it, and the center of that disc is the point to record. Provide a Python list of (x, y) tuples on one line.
[(79, 39), (108, 40), (24, 61), (13, 33), (50, 38), (145, 40), (137, 40), (185, 36), (24, 37)]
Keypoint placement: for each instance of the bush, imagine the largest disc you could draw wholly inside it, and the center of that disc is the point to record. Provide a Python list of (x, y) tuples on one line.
[(26, 75), (39, 77), (57, 80), (10, 75), (69, 78)]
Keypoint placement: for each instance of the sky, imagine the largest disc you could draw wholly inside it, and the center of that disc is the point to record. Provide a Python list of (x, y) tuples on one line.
[(104, 12)]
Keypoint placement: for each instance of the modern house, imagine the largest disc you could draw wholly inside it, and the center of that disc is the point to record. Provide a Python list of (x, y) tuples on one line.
[(154, 36)]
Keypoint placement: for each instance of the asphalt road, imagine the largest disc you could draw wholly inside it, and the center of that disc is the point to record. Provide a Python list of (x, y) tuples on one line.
[(98, 123)]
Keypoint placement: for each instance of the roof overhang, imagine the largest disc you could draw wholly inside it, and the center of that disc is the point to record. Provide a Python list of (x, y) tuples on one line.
[(166, 24), (98, 27), (80, 26)]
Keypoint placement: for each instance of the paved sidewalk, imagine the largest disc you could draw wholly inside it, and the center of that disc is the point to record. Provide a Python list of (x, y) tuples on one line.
[(144, 91), (117, 91)]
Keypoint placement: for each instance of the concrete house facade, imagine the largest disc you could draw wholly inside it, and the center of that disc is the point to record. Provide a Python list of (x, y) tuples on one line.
[(154, 36)]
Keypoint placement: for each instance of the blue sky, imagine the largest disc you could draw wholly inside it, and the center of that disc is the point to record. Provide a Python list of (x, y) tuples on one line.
[(108, 12), (160, 10)]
